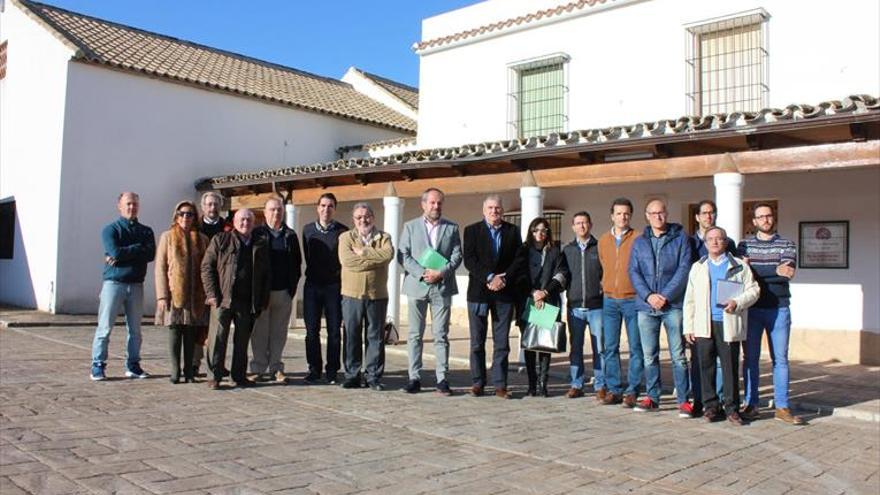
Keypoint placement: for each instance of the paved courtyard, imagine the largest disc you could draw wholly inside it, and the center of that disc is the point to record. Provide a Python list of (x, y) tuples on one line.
[(61, 433)]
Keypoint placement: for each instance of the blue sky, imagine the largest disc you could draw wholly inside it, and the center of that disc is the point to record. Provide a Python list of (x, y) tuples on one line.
[(323, 37)]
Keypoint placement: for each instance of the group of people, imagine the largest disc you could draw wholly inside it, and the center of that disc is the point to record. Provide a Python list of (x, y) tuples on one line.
[(711, 296)]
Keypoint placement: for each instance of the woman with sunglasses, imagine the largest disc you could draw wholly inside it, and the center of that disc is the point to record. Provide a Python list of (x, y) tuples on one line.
[(542, 281), (180, 297)]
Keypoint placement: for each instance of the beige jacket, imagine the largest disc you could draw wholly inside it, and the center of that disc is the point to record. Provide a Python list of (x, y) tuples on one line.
[(365, 276), (697, 311)]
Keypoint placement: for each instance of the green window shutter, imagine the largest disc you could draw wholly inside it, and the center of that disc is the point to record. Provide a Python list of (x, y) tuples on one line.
[(541, 100)]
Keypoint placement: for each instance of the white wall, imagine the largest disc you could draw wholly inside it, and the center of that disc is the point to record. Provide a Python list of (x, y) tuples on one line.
[(129, 132), (628, 63), (32, 98), (367, 86), (822, 299)]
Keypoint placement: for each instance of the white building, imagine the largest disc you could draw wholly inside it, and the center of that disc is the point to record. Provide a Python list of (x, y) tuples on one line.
[(90, 108), (563, 106)]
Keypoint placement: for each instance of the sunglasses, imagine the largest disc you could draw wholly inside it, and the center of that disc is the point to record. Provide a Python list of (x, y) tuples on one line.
[(185, 214)]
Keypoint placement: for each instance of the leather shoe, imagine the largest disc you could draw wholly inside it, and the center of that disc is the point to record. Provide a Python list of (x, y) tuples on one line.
[(502, 393), (574, 393), (750, 413), (734, 419), (351, 383), (600, 394), (246, 383), (710, 415), (443, 388), (476, 391), (213, 384), (412, 387), (612, 398), (629, 401)]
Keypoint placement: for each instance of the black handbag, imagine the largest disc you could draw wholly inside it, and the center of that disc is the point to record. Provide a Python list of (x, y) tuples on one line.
[(554, 339)]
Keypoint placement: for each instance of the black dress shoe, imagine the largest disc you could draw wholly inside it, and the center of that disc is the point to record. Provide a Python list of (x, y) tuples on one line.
[(312, 378), (351, 383), (443, 388), (377, 387), (246, 383), (412, 387)]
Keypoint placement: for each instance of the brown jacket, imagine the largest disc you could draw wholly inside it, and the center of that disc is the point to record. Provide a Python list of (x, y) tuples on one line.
[(615, 265), (219, 266), (365, 276), (178, 280)]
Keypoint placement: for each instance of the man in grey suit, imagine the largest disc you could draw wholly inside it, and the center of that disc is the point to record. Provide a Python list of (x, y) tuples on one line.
[(430, 252)]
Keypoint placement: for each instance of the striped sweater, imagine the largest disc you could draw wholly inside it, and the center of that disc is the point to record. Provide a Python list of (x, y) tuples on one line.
[(764, 257)]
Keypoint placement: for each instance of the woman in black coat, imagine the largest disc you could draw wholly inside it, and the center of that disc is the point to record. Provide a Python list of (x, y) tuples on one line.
[(543, 275)]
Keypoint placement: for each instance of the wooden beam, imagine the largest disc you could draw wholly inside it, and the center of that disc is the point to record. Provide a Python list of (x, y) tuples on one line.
[(521, 165), (796, 159)]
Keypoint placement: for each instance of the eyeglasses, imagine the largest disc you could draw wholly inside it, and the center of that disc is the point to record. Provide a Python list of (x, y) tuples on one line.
[(540, 231), (656, 213), (185, 214)]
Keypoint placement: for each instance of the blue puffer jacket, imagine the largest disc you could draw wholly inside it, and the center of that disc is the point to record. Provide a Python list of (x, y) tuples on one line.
[(667, 275)]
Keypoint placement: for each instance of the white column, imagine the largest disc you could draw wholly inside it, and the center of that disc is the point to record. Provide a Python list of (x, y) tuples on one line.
[(532, 200), (393, 212), (290, 215), (728, 197)]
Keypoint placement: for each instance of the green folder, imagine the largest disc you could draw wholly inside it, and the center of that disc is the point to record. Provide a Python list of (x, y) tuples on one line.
[(432, 260), (544, 317)]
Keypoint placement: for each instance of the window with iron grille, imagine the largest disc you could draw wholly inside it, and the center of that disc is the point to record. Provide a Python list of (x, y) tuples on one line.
[(727, 64), (538, 97), (553, 216)]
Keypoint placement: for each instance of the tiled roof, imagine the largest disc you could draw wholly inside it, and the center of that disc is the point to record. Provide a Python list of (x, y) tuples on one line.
[(131, 49), (509, 23), (407, 94), (689, 128)]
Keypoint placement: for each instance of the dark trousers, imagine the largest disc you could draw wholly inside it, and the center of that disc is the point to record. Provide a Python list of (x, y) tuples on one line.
[(326, 300), (181, 337), (244, 324), (478, 321), (539, 373), (354, 311), (728, 353)]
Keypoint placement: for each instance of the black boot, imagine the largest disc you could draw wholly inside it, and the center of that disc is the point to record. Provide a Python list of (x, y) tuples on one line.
[(530, 371), (543, 373)]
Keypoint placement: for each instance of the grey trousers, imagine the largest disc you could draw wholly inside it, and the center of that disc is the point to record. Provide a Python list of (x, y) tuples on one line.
[(354, 311), (270, 333), (418, 309)]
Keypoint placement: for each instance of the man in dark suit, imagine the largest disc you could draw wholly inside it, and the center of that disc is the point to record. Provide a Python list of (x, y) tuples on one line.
[(490, 247)]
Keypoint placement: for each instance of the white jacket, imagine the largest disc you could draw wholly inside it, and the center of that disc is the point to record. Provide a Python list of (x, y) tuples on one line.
[(697, 305)]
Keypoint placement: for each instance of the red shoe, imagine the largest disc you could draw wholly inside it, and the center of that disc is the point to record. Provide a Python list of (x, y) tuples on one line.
[(646, 405), (685, 410)]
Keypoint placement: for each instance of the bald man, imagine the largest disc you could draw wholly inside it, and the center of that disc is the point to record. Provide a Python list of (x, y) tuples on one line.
[(235, 273), (128, 247)]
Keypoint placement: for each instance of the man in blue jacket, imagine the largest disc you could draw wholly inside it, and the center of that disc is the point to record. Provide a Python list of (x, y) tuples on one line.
[(658, 269), (128, 247)]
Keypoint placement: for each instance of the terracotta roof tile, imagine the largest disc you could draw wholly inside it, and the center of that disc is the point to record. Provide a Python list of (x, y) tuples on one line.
[(692, 127), (116, 45), (508, 23)]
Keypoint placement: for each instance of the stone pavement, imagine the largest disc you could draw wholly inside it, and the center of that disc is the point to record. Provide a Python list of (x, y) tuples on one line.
[(61, 433)]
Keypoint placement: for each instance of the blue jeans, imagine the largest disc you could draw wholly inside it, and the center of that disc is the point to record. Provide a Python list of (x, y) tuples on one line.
[(649, 330), (777, 322), (578, 319), (614, 313), (116, 296)]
